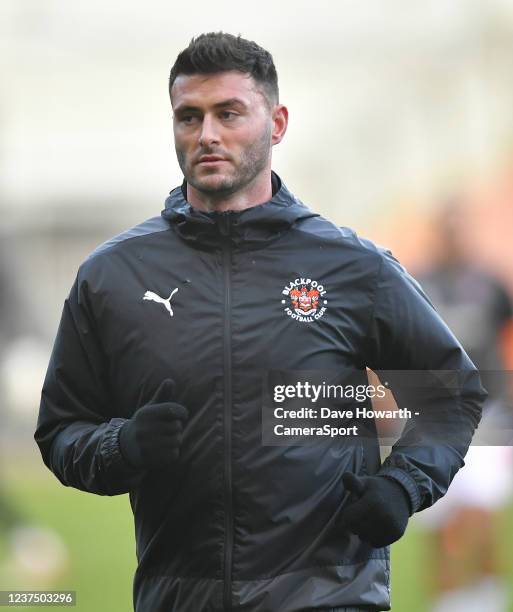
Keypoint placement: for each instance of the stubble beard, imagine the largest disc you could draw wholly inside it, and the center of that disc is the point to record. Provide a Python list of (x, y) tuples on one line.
[(252, 161)]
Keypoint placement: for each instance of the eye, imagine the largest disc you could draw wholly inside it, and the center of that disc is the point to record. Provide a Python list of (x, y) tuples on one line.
[(186, 119), (228, 115)]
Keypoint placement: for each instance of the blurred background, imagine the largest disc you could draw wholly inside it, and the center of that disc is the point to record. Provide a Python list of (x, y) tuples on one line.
[(398, 110)]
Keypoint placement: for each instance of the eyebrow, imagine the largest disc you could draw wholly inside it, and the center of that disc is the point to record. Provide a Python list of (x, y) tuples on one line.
[(222, 104)]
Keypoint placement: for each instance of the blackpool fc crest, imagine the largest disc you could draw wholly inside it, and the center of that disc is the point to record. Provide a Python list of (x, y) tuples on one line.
[(306, 300)]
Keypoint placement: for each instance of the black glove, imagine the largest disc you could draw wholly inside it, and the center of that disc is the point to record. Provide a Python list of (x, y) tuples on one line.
[(151, 439), (381, 512)]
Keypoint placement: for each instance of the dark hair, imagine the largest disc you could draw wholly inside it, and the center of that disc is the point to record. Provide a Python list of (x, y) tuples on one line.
[(217, 52)]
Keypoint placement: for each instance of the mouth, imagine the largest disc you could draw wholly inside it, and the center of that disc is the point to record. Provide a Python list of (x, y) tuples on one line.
[(210, 160)]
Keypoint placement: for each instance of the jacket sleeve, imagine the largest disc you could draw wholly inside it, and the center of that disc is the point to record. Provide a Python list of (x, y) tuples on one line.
[(416, 348), (76, 434)]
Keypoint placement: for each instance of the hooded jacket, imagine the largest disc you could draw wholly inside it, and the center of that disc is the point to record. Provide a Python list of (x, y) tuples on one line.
[(258, 295)]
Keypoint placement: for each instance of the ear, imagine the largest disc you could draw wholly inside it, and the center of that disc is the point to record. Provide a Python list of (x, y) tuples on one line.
[(280, 117)]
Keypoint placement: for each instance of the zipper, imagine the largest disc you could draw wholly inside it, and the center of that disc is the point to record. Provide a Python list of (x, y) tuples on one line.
[(225, 228)]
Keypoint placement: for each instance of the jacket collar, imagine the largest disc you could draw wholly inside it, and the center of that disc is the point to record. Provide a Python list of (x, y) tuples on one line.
[(247, 228)]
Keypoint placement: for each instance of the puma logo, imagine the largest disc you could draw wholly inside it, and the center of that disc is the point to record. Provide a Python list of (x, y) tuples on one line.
[(149, 295)]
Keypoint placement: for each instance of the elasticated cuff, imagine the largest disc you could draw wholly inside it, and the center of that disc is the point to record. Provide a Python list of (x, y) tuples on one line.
[(117, 469), (407, 482)]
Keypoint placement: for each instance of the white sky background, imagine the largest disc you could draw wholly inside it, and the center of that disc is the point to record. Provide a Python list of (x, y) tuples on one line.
[(386, 99)]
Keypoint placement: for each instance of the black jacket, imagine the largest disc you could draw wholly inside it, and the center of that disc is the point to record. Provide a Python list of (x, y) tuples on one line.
[(239, 525)]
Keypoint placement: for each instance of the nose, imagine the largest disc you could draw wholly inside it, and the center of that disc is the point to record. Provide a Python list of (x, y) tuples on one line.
[(209, 134)]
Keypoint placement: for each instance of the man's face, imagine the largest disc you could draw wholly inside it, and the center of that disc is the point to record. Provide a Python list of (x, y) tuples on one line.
[(223, 127)]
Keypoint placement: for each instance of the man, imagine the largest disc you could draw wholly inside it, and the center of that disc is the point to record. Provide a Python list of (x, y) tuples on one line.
[(170, 335)]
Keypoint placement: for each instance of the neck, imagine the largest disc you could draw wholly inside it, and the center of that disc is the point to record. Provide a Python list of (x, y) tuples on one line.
[(255, 193)]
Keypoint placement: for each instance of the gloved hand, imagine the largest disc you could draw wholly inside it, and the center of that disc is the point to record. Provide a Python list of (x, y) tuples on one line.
[(381, 512), (151, 439)]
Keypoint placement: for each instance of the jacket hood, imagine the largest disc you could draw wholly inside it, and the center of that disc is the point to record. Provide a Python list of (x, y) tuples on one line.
[(250, 227)]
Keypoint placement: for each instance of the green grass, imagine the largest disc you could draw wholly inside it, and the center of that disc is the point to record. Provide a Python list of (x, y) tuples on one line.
[(98, 532), (409, 588)]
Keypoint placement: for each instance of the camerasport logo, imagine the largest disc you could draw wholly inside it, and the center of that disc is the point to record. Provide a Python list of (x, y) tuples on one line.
[(305, 300)]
